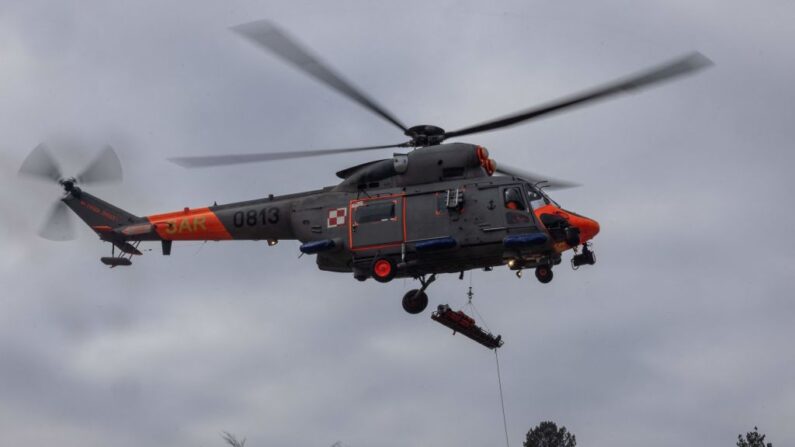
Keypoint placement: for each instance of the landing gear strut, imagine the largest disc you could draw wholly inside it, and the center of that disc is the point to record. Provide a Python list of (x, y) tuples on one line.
[(544, 273), (416, 300)]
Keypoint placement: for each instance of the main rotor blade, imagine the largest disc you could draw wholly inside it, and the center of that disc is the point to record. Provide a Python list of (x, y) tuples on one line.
[(58, 226), (223, 160), (266, 35), (681, 66), (105, 168), (39, 163), (542, 181)]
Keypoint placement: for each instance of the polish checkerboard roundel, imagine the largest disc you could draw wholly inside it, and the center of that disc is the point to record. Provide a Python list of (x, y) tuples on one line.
[(336, 217)]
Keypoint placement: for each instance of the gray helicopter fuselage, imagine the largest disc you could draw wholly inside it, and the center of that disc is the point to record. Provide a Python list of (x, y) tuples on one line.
[(436, 209)]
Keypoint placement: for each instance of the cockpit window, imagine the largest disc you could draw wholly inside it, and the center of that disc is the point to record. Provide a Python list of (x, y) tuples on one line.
[(513, 199), (537, 198)]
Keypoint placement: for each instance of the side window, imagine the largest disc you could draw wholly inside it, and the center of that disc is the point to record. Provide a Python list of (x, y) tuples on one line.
[(513, 199), (376, 212)]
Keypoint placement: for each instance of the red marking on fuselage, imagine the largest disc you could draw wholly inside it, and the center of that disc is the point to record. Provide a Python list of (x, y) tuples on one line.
[(100, 211)]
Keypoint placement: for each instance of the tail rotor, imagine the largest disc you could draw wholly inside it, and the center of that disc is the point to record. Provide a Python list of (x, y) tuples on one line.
[(41, 165), (58, 225)]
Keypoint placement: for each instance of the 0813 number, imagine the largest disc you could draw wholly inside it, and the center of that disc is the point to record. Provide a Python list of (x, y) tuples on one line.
[(252, 218)]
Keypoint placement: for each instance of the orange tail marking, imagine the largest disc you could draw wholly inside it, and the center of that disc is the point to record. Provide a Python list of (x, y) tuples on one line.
[(198, 224)]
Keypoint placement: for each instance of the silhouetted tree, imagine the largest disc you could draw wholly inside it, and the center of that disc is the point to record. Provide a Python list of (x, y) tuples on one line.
[(232, 440), (547, 434), (752, 439)]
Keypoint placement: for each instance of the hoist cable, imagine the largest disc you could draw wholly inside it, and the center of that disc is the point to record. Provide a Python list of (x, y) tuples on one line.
[(471, 304), (470, 295), (502, 400)]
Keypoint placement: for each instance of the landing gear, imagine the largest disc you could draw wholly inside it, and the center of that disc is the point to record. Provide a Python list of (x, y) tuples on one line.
[(544, 273), (126, 252), (416, 300)]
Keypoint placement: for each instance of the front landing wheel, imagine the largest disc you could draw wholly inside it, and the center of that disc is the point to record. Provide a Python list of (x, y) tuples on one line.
[(544, 273), (415, 301)]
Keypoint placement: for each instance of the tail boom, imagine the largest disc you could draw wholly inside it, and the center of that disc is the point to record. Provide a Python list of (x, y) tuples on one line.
[(253, 220)]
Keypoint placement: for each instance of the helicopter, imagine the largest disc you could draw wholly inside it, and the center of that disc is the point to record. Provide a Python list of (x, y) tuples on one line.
[(438, 207)]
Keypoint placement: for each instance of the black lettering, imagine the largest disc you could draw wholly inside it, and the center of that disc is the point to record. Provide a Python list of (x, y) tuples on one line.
[(251, 218), (273, 215)]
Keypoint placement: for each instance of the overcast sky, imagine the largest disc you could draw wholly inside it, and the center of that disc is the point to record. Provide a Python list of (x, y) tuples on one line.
[(680, 334)]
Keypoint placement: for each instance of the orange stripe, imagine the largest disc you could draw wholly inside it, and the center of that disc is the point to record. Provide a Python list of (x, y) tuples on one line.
[(198, 224)]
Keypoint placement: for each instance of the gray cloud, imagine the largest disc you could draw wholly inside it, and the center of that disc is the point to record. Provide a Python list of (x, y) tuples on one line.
[(680, 334)]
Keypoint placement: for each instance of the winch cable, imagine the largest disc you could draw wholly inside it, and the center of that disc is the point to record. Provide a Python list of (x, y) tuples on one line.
[(502, 400), (471, 295)]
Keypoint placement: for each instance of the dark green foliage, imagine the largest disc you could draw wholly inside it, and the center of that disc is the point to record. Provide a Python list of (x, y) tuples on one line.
[(547, 434), (752, 439)]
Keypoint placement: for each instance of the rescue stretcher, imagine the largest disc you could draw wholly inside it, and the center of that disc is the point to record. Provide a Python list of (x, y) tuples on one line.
[(458, 321)]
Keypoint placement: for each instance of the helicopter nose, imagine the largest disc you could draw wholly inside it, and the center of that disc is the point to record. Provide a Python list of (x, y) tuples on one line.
[(588, 227)]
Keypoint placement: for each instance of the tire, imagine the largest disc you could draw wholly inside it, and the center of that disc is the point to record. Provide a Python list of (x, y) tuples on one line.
[(544, 273), (414, 301), (384, 270)]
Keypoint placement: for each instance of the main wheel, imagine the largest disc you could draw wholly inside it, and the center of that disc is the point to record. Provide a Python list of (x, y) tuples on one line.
[(544, 273), (384, 270), (415, 301)]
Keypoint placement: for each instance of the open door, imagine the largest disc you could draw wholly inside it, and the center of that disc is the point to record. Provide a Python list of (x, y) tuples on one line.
[(377, 222)]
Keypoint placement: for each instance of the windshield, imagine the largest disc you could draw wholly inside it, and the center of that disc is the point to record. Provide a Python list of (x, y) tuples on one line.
[(538, 198)]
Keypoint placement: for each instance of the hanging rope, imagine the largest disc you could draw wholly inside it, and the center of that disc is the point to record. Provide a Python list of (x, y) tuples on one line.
[(471, 304), (502, 400), (200, 248), (471, 295)]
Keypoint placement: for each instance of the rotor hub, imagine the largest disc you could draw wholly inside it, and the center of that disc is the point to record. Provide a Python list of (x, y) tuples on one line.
[(68, 184), (425, 135)]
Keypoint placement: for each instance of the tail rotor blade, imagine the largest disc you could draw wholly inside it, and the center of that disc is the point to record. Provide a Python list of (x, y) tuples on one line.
[(541, 180), (58, 226), (40, 164), (106, 168)]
